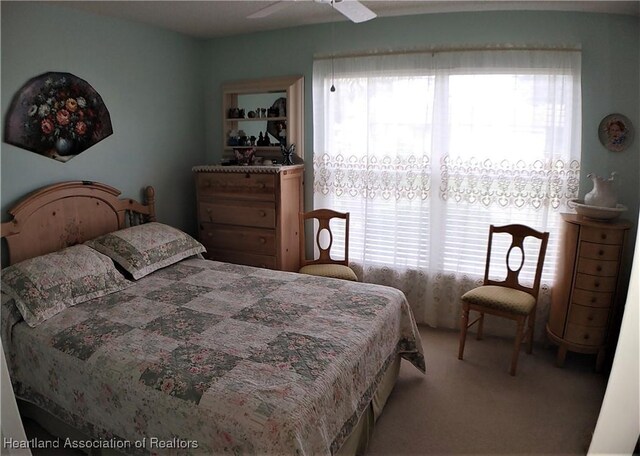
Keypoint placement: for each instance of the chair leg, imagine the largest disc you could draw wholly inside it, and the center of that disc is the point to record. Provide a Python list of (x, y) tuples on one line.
[(480, 333), (532, 329), (516, 348), (464, 325)]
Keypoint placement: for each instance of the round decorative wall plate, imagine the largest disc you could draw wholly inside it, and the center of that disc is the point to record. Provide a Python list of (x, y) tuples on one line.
[(616, 132)]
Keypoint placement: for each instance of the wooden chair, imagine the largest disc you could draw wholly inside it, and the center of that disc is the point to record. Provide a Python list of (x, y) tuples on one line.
[(507, 298), (324, 265)]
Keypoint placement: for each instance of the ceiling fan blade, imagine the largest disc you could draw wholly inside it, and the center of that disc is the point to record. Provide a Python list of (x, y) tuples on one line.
[(269, 10), (354, 10)]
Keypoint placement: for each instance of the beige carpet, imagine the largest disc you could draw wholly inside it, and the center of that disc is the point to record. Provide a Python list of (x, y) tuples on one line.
[(475, 407)]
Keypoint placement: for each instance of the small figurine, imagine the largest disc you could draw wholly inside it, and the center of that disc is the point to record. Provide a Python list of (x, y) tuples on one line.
[(232, 138), (242, 138), (261, 140)]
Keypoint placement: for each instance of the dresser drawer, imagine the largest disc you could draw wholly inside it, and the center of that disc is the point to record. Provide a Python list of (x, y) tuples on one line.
[(589, 316), (237, 185), (249, 259), (598, 267), (585, 335), (241, 239), (595, 283), (602, 235), (599, 251), (247, 213), (592, 298)]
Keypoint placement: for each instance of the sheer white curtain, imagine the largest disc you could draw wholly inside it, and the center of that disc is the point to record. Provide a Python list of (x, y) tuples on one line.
[(425, 150)]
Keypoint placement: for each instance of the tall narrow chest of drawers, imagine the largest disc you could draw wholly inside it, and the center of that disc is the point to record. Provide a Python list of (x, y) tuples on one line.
[(586, 294), (249, 215)]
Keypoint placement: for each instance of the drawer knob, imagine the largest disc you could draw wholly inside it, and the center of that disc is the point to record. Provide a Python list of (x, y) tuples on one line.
[(600, 252), (263, 214), (596, 284), (586, 336), (210, 234), (590, 318), (262, 185), (603, 236), (263, 240), (599, 268), (593, 299)]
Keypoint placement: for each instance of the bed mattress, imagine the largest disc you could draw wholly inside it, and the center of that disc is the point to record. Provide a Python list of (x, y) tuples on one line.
[(207, 357)]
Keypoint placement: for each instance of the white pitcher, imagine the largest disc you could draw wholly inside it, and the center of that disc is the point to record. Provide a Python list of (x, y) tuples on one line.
[(603, 193)]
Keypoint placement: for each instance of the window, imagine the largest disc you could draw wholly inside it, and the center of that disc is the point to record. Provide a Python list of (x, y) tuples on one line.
[(426, 150)]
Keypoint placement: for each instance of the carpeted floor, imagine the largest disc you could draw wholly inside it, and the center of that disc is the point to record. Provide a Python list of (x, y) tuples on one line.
[(475, 407)]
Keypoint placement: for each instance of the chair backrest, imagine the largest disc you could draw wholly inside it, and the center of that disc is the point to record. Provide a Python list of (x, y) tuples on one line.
[(324, 217), (518, 235)]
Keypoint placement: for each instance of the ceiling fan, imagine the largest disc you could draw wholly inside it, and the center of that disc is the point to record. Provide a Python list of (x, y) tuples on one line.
[(352, 9)]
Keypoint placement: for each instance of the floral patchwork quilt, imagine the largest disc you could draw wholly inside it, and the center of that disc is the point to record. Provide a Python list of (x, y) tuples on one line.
[(206, 357)]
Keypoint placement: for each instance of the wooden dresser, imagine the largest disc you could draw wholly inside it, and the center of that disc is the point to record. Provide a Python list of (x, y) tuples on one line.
[(249, 215), (586, 294)]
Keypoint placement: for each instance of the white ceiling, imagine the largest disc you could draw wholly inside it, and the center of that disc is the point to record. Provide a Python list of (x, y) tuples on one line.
[(215, 18)]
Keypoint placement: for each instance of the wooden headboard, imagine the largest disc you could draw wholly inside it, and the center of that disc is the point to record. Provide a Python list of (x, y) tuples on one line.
[(69, 213)]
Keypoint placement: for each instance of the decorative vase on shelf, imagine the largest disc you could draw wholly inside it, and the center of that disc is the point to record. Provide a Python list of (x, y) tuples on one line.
[(603, 193)]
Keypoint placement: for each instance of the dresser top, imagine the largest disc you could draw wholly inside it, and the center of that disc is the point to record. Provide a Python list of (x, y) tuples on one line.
[(619, 223), (269, 169)]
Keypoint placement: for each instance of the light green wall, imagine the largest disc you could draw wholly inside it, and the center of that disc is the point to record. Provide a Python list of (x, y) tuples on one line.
[(610, 68), (163, 89), (149, 79)]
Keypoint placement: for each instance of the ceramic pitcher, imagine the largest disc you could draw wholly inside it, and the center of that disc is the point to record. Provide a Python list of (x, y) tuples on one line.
[(603, 193)]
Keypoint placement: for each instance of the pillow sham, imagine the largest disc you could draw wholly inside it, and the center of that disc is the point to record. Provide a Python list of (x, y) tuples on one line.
[(145, 248), (46, 285)]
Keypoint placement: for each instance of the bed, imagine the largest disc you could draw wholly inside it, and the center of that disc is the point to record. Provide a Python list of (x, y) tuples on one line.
[(169, 353)]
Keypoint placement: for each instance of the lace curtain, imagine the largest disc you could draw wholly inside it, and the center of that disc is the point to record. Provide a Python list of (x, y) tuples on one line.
[(425, 150)]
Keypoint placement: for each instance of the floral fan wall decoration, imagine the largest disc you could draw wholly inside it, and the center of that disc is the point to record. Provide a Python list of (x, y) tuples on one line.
[(57, 115)]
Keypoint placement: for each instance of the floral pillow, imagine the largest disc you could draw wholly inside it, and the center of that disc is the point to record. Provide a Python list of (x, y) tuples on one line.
[(46, 285), (142, 249)]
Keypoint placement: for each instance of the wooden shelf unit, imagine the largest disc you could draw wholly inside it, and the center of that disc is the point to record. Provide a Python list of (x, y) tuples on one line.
[(289, 87)]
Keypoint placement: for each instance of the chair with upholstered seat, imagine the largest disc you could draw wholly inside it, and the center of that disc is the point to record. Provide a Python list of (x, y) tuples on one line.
[(325, 265), (507, 298)]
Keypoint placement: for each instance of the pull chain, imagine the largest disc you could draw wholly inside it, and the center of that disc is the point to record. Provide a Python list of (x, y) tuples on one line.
[(333, 51)]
